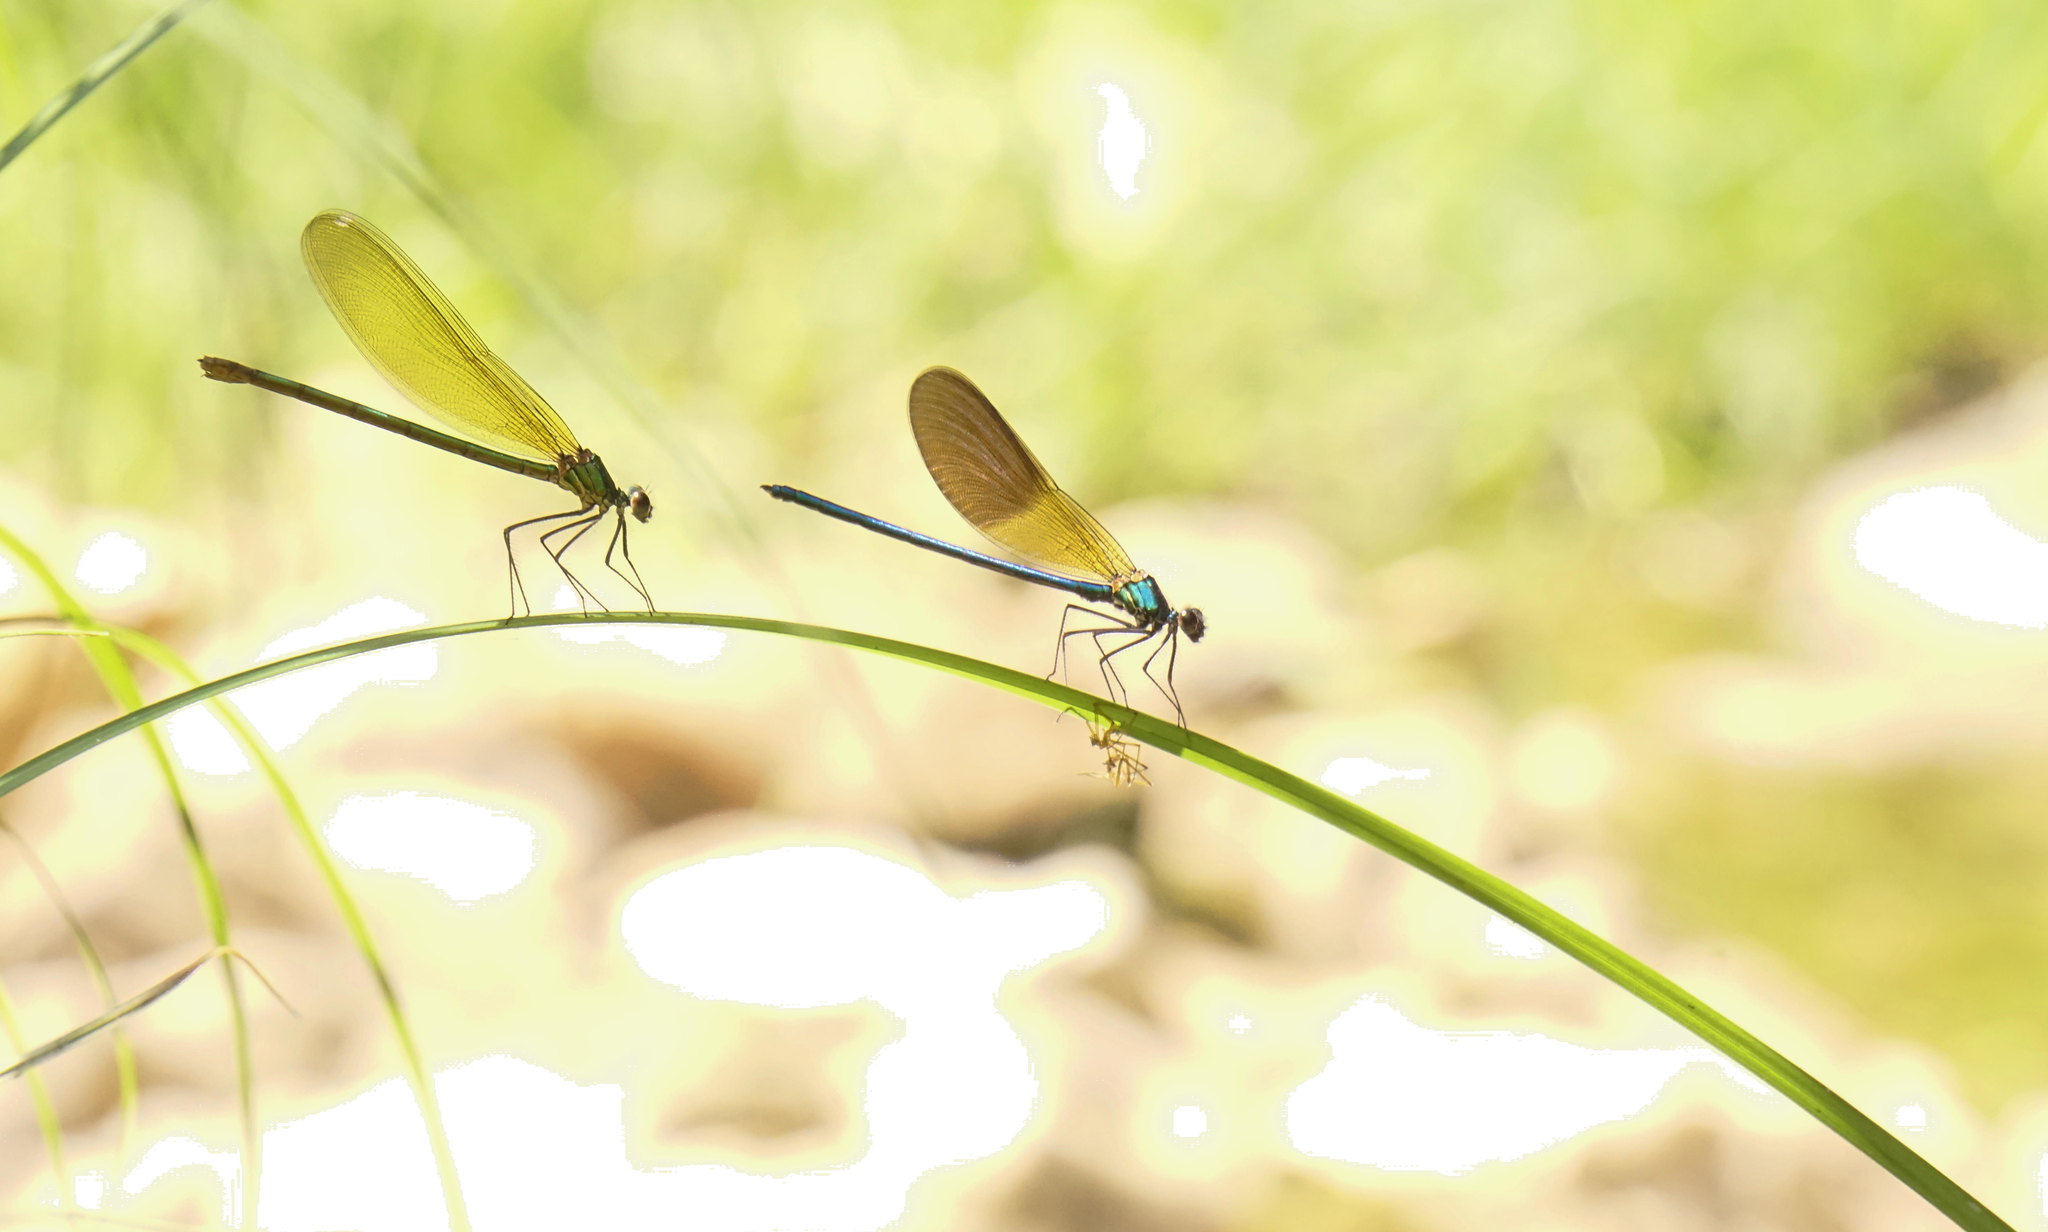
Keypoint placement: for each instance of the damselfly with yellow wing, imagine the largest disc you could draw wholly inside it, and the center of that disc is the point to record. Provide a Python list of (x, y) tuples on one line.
[(991, 477), (412, 335)]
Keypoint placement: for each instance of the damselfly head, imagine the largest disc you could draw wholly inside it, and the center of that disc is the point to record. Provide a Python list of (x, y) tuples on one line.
[(640, 503), (1191, 623)]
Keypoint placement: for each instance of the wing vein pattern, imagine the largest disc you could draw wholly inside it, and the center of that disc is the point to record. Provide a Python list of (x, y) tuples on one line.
[(416, 340), (995, 482)]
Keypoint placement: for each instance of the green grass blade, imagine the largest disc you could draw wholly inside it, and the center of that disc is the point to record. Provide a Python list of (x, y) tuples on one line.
[(124, 1055), (79, 1034), (351, 914), (95, 77), (112, 668), (47, 1120), (1659, 992)]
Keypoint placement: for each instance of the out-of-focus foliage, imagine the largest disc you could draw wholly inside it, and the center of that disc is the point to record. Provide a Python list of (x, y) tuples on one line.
[(1493, 375)]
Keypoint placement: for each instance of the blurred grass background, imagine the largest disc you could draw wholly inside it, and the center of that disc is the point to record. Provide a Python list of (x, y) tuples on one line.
[(1496, 377)]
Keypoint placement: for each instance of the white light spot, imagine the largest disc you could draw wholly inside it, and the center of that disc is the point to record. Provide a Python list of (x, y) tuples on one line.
[(284, 709), (178, 1151), (952, 1083), (203, 744), (800, 927), (1448, 1101), (540, 1151), (9, 576), (1911, 1117), (382, 1132), (679, 644), (111, 563), (1508, 939), (464, 850), (1352, 775), (1123, 142), (566, 599), (365, 619), (1239, 1024), (810, 926), (1189, 1122), (1949, 547), (89, 1189)]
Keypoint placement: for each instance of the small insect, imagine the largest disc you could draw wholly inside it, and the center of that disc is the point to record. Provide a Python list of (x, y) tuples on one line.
[(412, 335), (1121, 764), (993, 480)]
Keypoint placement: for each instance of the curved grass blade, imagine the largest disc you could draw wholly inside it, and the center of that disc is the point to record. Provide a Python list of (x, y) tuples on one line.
[(124, 1056), (135, 1004), (61, 631), (352, 917), (48, 1122), (1630, 973), (120, 683), (95, 77)]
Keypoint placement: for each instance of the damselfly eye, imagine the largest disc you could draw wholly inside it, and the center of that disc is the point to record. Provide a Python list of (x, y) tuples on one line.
[(1192, 624), (640, 503)]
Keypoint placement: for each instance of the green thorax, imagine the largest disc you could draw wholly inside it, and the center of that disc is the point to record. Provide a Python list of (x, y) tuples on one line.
[(583, 473)]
